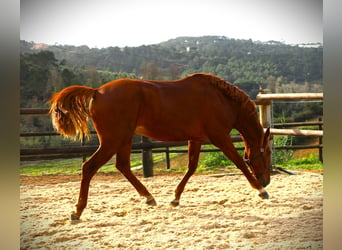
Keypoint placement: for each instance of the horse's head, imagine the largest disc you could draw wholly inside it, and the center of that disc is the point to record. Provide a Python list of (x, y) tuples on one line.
[(259, 160)]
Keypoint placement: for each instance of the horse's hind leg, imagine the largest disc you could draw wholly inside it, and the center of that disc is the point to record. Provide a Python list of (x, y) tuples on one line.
[(124, 166), (89, 169), (194, 148)]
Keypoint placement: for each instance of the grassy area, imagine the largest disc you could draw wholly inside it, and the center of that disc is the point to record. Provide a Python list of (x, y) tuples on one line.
[(207, 164), (310, 163), (73, 166), (37, 168), (65, 166)]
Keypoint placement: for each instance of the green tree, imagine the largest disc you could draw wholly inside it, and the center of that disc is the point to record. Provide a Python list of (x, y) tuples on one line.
[(93, 79), (36, 72), (150, 71), (173, 72)]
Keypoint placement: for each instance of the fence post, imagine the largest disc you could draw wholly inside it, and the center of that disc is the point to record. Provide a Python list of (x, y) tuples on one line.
[(147, 158), (265, 110), (82, 144), (320, 141), (167, 154)]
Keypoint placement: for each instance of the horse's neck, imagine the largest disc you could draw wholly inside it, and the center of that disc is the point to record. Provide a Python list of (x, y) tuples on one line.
[(252, 131)]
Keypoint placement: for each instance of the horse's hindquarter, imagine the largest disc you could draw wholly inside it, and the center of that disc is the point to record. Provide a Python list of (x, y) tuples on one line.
[(179, 111), (115, 107)]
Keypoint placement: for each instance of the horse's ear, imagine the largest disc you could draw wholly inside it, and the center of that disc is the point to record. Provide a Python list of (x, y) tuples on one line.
[(268, 131), (266, 137)]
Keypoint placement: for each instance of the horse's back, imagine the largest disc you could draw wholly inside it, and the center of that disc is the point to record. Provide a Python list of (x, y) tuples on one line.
[(164, 110), (180, 110)]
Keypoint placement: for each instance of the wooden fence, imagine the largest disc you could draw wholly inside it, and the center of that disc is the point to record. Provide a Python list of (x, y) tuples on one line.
[(265, 114), (147, 147)]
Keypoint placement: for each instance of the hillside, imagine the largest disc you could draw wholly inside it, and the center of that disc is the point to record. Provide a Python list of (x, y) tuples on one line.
[(234, 60)]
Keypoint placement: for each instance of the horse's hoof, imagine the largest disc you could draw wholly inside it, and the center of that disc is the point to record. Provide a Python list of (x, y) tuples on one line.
[(174, 203), (74, 217), (151, 202), (264, 195)]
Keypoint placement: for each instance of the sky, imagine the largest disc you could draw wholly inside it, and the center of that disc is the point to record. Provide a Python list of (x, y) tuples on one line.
[(105, 23)]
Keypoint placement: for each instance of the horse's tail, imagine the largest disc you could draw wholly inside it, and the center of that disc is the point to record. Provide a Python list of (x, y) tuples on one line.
[(69, 111)]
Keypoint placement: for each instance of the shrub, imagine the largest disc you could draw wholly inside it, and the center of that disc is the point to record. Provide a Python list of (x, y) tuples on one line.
[(216, 159), (282, 155)]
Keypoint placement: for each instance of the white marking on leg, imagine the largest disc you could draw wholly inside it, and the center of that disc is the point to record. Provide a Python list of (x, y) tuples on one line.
[(261, 190), (263, 193)]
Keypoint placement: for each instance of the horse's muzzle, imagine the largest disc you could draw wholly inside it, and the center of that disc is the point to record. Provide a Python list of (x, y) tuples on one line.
[(264, 181)]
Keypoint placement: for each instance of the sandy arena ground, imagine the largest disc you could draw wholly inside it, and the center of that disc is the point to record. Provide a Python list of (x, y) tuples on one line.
[(215, 213)]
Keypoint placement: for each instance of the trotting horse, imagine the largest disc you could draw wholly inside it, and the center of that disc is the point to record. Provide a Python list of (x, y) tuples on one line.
[(197, 108)]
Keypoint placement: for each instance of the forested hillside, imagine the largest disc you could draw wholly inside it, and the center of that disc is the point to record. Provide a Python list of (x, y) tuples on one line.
[(233, 60), (46, 69)]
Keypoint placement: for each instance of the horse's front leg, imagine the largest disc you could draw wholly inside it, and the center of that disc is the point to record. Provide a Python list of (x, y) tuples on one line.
[(89, 169), (194, 148), (225, 144), (124, 166)]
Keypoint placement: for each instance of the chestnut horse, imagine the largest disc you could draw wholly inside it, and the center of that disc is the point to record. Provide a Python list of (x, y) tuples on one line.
[(197, 108)]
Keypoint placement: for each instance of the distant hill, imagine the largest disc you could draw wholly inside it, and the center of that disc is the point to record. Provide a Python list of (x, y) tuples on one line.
[(235, 60)]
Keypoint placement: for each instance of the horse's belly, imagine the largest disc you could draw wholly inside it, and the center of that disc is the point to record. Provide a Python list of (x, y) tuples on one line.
[(167, 134), (140, 130)]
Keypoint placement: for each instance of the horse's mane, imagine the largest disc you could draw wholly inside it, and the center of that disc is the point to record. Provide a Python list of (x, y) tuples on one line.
[(247, 105), (230, 90)]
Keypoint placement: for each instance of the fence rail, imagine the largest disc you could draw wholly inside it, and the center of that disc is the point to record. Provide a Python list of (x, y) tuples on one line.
[(147, 147), (289, 96), (155, 146)]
